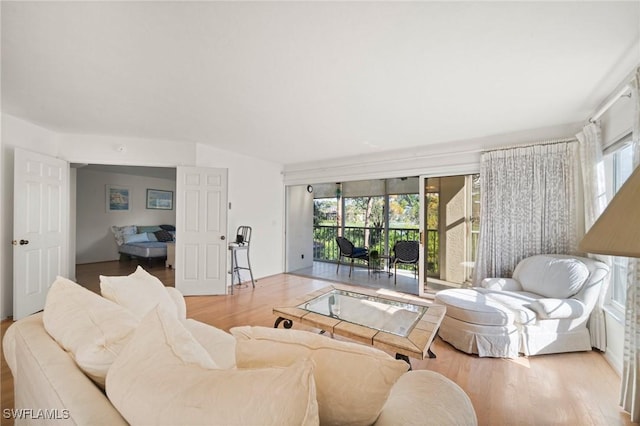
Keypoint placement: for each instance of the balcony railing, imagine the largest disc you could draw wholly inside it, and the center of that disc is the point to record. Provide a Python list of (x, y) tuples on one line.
[(325, 247)]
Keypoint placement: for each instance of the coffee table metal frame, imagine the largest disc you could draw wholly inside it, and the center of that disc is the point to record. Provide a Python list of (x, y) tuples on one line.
[(417, 343)]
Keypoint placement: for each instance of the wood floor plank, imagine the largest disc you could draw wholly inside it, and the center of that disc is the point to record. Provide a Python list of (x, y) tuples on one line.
[(560, 389)]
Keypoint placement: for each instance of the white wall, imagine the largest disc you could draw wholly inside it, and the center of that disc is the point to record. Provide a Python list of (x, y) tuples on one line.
[(94, 239), (256, 195), (299, 228)]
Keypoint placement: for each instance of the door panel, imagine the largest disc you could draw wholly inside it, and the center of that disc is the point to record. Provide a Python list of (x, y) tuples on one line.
[(201, 222), (41, 211)]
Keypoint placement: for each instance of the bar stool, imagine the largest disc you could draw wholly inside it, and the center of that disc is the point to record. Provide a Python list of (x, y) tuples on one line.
[(243, 239)]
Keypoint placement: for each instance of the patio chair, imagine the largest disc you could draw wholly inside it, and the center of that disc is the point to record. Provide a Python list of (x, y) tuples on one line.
[(348, 250), (407, 253)]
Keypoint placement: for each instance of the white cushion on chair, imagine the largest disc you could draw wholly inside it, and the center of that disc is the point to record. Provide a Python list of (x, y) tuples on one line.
[(558, 308), (473, 306), (552, 277)]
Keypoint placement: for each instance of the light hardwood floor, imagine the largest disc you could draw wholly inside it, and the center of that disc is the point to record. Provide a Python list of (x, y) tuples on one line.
[(562, 389)]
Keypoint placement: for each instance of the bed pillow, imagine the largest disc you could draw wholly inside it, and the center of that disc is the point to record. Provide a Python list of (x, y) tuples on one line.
[(153, 228), (139, 292), (164, 377), (163, 236), (119, 232), (136, 238), (353, 381), (92, 329)]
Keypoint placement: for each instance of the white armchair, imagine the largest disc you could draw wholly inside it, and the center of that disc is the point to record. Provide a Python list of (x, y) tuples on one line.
[(543, 309)]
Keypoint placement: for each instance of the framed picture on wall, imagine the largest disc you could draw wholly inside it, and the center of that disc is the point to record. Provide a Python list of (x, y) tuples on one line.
[(118, 198), (159, 199)]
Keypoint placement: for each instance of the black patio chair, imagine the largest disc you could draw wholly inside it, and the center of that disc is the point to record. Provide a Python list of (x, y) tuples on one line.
[(407, 253), (348, 250)]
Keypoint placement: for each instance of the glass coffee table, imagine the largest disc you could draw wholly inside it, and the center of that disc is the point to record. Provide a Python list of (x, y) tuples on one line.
[(389, 321)]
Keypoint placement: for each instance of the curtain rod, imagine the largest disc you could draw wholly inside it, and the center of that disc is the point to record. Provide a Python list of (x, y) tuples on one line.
[(547, 142), (604, 108)]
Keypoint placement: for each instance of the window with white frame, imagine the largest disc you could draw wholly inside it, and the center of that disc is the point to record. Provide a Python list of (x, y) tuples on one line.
[(618, 166)]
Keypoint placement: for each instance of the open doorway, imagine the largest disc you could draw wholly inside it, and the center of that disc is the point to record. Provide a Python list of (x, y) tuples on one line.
[(94, 246), (451, 229)]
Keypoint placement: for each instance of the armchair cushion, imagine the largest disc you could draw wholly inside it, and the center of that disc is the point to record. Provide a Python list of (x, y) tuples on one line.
[(352, 381), (359, 252), (551, 277), (164, 377), (501, 284), (558, 308)]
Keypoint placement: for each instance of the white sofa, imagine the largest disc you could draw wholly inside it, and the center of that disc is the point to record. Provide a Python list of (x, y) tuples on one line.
[(167, 369), (543, 309)]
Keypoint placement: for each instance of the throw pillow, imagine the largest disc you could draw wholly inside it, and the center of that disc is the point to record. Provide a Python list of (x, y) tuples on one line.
[(168, 227), (92, 329), (163, 236), (119, 232), (353, 381), (136, 238), (139, 292), (163, 377), (152, 228)]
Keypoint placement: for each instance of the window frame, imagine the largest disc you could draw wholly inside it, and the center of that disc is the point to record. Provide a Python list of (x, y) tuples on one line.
[(615, 307)]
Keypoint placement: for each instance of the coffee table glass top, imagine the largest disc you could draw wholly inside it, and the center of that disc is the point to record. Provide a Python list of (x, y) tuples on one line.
[(381, 314)]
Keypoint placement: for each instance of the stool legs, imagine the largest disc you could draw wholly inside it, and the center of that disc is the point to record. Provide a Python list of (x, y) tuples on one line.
[(235, 268)]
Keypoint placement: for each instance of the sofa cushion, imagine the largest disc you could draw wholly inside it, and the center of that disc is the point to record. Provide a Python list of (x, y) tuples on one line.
[(139, 292), (164, 377), (551, 277), (220, 345), (558, 308), (92, 329), (352, 380)]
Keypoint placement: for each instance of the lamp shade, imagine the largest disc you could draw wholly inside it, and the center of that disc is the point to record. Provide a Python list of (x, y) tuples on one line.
[(617, 230)]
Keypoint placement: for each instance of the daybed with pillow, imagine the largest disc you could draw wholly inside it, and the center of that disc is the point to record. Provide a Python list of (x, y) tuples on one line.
[(157, 367), (544, 308), (146, 242)]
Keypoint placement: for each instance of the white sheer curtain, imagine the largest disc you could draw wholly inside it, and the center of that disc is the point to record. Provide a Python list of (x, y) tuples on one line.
[(527, 205), (595, 201), (630, 392)]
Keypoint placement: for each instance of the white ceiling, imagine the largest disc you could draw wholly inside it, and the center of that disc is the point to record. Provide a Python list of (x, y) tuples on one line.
[(299, 81)]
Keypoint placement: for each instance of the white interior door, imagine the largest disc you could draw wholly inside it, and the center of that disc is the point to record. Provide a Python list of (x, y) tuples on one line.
[(40, 226), (201, 229)]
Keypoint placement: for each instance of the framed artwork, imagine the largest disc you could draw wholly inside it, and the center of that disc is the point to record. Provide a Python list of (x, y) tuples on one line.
[(158, 199), (118, 198)]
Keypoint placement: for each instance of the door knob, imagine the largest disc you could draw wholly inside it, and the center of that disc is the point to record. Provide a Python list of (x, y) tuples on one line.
[(223, 238), (24, 242)]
